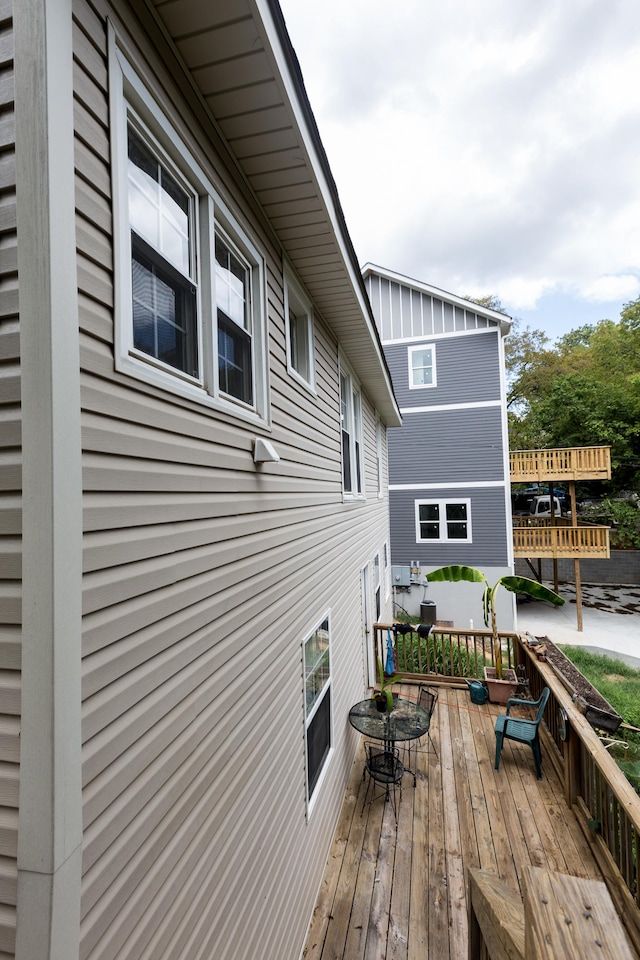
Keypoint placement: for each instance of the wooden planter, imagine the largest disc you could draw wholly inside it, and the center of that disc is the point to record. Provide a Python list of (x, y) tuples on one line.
[(500, 690)]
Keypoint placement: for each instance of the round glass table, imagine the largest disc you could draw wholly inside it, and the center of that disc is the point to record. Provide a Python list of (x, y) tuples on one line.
[(407, 721)]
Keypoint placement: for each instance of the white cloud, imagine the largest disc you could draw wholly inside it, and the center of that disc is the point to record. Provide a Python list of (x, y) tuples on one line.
[(606, 289), (483, 147)]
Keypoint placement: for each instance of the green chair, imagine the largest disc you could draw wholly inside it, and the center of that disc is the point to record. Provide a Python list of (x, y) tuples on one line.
[(520, 730)]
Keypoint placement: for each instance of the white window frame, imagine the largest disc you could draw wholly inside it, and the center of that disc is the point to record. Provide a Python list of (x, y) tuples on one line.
[(310, 714), (380, 457), (442, 520), (410, 353), (377, 587), (131, 103), (386, 569), (298, 304), (351, 424)]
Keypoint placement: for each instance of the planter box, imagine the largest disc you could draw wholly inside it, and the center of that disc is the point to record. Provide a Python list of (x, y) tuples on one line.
[(598, 717), (500, 690)]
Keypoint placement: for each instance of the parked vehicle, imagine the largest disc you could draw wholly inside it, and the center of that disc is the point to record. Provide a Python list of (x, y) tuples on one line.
[(541, 507)]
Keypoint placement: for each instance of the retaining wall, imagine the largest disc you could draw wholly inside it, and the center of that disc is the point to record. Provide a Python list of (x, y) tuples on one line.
[(623, 567)]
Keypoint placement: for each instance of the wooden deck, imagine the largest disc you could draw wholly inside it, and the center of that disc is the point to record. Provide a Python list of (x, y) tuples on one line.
[(400, 893)]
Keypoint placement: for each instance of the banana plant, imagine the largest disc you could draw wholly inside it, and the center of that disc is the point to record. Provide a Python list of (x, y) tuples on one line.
[(533, 589)]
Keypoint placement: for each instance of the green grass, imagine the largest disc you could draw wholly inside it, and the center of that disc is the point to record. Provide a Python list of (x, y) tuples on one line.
[(620, 685), (617, 682)]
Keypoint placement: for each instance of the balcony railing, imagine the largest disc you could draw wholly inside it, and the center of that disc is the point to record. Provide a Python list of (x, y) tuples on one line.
[(604, 802), (570, 463), (538, 539)]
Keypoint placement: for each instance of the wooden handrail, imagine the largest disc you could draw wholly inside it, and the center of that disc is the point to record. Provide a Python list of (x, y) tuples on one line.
[(561, 463)]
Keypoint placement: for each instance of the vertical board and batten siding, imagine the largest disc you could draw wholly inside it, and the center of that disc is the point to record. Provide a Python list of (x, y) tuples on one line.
[(402, 312), (202, 576), (467, 371), (10, 498)]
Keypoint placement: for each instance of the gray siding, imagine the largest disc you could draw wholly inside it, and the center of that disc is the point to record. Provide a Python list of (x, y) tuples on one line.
[(488, 518), (461, 446), (403, 312), (203, 575), (467, 369), (10, 499)]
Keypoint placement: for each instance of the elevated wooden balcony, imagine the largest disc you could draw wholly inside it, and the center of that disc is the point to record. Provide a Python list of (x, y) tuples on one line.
[(542, 539), (561, 463)]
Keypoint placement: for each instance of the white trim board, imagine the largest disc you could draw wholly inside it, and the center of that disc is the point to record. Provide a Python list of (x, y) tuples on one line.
[(443, 485), (439, 408), (428, 337)]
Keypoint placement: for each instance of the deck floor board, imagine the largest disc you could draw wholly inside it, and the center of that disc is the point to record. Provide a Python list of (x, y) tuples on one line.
[(400, 892)]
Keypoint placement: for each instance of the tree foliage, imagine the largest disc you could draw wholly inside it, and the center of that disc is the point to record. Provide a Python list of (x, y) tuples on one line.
[(582, 391)]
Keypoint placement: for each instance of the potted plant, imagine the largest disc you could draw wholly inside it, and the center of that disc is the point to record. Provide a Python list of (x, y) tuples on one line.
[(499, 691), (383, 697)]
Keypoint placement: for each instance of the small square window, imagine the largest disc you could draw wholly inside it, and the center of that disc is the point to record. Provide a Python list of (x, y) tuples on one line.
[(441, 521), (422, 366)]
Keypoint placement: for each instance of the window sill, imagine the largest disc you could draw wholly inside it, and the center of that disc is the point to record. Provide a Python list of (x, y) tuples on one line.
[(175, 386)]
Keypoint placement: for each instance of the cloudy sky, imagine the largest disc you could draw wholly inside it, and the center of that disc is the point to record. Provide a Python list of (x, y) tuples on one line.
[(486, 147)]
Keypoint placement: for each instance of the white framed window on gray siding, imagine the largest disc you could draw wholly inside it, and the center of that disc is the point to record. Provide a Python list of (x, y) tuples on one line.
[(190, 306), (299, 324), (351, 430), (422, 366), (317, 701), (443, 521)]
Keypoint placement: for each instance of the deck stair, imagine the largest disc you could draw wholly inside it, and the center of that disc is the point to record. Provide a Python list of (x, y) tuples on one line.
[(562, 916)]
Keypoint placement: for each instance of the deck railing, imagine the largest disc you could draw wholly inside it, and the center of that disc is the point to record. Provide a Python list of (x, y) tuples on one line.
[(446, 655), (537, 540), (564, 463), (606, 805), (604, 802)]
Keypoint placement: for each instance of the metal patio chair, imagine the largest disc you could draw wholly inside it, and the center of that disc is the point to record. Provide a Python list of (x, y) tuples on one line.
[(427, 699), (384, 767)]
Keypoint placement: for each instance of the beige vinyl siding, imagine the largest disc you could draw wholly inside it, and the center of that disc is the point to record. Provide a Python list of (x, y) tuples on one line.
[(10, 513), (10, 501), (203, 574)]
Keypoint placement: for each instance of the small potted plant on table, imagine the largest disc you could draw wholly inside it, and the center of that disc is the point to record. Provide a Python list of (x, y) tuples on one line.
[(383, 697), (501, 682)]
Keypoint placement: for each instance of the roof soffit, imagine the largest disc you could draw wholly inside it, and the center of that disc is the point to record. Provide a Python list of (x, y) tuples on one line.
[(241, 62)]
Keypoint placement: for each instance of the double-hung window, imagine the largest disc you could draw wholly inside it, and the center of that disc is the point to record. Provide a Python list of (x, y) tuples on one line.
[(422, 366), (351, 430), (443, 521), (162, 219), (317, 687), (299, 323), (190, 289)]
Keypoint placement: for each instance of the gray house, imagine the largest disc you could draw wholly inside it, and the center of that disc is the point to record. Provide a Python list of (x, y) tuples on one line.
[(449, 463), (193, 501)]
